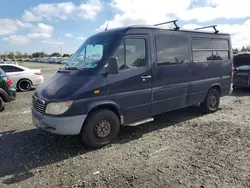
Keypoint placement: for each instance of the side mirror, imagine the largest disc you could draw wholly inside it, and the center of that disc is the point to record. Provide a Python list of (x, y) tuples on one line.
[(112, 67)]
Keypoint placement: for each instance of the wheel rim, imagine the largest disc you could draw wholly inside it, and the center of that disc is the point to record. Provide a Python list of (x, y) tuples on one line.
[(102, 129), (24, 85), (213, 102)]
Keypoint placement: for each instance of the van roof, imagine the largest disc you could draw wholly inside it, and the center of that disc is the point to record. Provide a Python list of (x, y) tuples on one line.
[(124, 29)]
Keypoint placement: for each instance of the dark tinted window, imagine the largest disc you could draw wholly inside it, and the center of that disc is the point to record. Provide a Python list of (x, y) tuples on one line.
[(221, 55), (17, 69), (210, 44), (172, 50), (8, 68), (131, 54), (201, 56)]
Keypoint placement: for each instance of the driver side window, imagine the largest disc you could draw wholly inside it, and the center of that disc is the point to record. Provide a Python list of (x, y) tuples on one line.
[(131, 54)]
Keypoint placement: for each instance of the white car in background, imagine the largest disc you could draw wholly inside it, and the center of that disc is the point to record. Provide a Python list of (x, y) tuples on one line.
[(23, 78)]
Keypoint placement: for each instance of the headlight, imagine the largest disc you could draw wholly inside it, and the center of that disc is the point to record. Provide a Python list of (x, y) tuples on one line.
[(58, 107)]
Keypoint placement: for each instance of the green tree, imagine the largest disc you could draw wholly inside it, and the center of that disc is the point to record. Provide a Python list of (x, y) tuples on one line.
[(36, 55), (11, 55), (55, 54), (66, 55), (25, 55), (3, 56), (243, 49), (18, 55)]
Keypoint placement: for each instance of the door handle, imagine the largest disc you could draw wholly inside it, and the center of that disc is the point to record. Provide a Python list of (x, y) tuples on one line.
[(144, 78)]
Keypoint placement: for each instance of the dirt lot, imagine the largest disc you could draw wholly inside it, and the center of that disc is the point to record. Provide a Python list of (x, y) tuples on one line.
[(184, 148)]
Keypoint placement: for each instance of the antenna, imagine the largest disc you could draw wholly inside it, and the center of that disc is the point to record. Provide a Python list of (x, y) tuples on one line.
[(173, 21), (213, 26), (108, 21)]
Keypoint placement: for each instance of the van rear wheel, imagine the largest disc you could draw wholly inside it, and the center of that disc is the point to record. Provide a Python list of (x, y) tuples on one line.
[(100, 129), (211, 102)]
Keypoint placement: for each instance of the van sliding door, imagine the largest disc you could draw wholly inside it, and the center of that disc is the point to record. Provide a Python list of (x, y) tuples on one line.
[(172, 71)]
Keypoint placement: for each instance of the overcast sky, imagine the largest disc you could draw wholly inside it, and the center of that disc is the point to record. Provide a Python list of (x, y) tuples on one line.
[(46, 25)]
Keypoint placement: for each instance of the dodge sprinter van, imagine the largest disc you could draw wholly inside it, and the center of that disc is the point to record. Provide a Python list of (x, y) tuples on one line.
[(126, 76)]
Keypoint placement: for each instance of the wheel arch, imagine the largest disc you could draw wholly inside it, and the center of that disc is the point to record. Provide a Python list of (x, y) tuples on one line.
[(216, 86), (22, 79), (110, 105), (4, 95)]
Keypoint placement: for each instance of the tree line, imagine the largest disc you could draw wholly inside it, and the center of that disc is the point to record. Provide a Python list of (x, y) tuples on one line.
[(19, 55), (243, 49)]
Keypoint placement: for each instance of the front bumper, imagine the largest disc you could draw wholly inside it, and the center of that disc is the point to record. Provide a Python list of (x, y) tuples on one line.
[(241, 81), (58, 125)]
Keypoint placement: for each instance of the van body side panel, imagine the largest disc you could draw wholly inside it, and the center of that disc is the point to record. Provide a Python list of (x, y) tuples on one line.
[(170, 82), (206, 75), (209, 73)]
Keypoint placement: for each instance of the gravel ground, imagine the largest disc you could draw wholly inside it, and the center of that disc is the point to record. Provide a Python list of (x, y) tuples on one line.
[(183, 148)]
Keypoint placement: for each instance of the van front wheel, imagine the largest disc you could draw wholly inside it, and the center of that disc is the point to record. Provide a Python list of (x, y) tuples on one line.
[(100, 129), (211, 102)]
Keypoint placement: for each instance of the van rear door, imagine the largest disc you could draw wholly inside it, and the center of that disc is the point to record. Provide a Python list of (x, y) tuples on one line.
[(131, 87)]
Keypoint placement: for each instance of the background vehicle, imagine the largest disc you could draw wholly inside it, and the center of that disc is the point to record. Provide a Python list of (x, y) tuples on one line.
[(23, 78), (241, 70), (126, 76), (7, 92)]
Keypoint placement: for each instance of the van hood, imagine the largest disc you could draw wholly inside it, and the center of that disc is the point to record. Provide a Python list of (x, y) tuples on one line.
[(241, 60), (70, 86)]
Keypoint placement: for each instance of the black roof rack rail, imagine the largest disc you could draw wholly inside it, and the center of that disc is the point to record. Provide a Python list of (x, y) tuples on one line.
[(172, 21), (213, 26)]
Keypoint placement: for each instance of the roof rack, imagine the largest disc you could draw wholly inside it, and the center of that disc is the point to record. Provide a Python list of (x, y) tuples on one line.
[(213, 26), (173, 21)]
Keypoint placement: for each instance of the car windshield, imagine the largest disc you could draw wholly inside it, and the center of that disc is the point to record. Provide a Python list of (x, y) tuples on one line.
[(92, 52)]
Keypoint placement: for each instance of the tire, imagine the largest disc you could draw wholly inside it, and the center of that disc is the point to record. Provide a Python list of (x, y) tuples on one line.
[(100, 129), (211, 102), (1, 104), (24, 85)]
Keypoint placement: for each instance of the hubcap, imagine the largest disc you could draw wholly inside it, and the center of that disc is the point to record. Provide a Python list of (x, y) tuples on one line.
[(102, 129), (24, 86), (213, 101)]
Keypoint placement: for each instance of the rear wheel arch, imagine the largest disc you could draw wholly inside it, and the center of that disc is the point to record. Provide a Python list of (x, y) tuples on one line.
[(3, 95), (217, 87)]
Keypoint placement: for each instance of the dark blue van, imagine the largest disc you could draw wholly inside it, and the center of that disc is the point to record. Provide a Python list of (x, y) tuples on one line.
[(126, 76)]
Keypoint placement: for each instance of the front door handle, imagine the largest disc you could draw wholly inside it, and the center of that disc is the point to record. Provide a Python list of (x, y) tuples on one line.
[(144, 78)]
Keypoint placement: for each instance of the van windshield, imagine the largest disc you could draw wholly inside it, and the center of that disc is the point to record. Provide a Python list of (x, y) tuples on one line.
[(92, 52)]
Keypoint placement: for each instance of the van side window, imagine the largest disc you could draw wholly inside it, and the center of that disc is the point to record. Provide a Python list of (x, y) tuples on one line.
[(131, 54), (205, 50), (172, 50)]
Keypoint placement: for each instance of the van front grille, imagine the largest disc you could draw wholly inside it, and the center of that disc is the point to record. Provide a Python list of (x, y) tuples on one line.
[(38, 104)]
